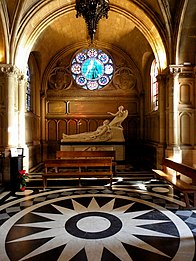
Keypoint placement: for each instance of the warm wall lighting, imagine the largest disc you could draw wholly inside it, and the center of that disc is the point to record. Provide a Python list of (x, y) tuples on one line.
[(1, 57)]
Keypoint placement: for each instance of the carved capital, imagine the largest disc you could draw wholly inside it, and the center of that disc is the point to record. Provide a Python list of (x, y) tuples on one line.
[(175, 69), (184, 71), (21, 77), (9, 70)]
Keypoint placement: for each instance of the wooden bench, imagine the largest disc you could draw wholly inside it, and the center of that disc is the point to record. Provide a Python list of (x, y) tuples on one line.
[(181, 177), (88, 154), (77, 168)]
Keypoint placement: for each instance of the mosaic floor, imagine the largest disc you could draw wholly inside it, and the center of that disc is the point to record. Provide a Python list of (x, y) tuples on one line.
[(134, 221)]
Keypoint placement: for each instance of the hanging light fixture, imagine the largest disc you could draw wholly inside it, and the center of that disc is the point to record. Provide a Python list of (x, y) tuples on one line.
[(92, 11)]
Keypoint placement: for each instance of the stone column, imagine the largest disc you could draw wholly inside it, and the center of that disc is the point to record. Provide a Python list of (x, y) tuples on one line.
[(21, 110), (187, 113), (142, 116), (181, 113), (9, 76), (43, 126), (21, 120), (10, 72), (161, 78), (194, 117), (162, 107), (173, 106), (172, 113)]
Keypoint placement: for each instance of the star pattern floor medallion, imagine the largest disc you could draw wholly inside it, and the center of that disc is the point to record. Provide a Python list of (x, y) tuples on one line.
[(96, 227)]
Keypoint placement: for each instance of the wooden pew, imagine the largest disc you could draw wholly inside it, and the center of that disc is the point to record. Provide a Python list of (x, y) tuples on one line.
[(77, 168), (181, 177), (88, 154)]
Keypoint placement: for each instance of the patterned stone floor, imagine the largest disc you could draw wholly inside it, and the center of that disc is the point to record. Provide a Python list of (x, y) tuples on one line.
[(139, 219)]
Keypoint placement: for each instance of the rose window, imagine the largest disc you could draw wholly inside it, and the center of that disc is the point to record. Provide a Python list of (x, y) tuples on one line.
[(92, 69)]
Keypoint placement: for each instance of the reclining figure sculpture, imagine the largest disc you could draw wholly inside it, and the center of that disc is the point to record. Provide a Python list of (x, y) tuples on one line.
[(109, 131)]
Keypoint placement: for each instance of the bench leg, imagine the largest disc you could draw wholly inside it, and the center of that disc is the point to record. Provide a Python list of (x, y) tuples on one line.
[(44, 183), (79, 182), (194, 199), (187, 201), (111, 182)]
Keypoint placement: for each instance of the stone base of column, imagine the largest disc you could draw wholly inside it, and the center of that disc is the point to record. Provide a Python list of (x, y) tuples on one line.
[(160, 155), (6, 171), (194, 158), (188, 155)]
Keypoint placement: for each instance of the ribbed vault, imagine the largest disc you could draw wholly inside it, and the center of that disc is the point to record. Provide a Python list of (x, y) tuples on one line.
[(49, 29)]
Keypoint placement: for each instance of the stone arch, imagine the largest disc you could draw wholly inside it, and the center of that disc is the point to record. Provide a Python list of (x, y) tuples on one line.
[(30, 31), (4, 45)]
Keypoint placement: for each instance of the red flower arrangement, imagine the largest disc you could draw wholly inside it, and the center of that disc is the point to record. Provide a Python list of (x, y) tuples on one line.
[(22, 177)]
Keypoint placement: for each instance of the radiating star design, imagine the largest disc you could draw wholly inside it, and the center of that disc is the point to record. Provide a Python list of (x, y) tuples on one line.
[(94, 228)]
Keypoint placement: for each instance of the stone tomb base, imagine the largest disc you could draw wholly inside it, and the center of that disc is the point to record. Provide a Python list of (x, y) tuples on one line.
[(120, 149)]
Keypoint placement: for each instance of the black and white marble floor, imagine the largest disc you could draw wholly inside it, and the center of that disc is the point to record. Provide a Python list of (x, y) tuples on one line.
[(95, 223)]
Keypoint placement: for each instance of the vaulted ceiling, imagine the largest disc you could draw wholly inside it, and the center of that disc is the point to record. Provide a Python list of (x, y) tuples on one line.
[(140, 28)]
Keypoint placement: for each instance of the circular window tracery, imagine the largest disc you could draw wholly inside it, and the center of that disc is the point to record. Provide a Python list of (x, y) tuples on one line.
[(92, 69)]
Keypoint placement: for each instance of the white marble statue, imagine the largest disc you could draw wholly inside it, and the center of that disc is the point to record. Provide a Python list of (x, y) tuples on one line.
[(102, 133), (121, 114), (109, 131)]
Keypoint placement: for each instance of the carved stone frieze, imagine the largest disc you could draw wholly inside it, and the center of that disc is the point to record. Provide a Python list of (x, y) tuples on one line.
[(59, 77), (124, 79)]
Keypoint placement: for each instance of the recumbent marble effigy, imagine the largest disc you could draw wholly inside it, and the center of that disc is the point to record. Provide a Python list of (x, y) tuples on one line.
[(110, 131)]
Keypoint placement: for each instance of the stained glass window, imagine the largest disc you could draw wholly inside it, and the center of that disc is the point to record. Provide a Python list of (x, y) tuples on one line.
[(154, 86), (28, 90), (92, 69)]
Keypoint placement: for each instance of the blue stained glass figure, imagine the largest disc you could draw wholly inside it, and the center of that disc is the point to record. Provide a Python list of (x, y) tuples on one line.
[(92, 69)]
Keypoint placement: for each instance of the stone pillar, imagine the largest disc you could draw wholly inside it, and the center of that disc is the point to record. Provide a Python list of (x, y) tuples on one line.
[(21, 110), (9, 74), (173, 106), (162, 108), (172, 113), (182, 113), (21, 120), (43, 126), (187, 113), (142, 116), (161, 78), (194, 117)]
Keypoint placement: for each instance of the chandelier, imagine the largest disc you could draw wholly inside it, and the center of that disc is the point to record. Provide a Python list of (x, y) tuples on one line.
[(92, 11)]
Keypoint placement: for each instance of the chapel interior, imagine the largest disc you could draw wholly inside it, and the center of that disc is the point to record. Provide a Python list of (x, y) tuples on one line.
[(151, 45), (40, 100)]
